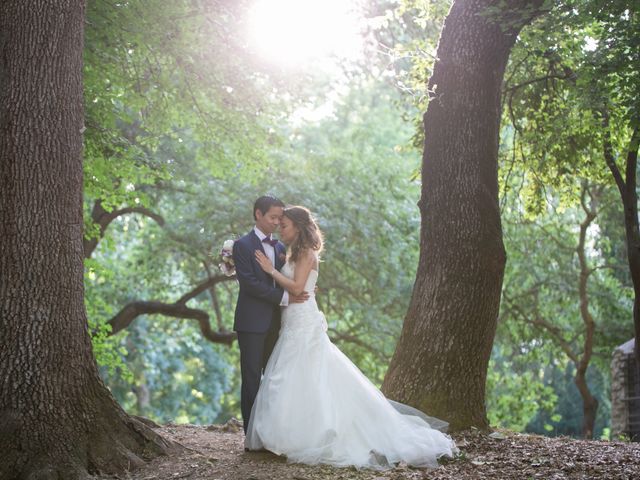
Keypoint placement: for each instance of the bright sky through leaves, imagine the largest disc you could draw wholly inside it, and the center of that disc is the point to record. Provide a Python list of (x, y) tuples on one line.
[(290, 32)]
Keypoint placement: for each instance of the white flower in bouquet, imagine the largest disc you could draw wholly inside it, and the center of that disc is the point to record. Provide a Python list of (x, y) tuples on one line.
[(227, 266)]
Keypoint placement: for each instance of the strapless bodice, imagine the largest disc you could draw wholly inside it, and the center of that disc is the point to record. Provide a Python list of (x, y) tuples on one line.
[(288, 271), (303, 319)]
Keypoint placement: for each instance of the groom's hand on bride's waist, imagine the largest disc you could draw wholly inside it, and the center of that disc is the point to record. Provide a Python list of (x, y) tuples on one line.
[(303, 297)]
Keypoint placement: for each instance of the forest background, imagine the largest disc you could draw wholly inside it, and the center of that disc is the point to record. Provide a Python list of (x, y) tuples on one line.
[(188, 122)]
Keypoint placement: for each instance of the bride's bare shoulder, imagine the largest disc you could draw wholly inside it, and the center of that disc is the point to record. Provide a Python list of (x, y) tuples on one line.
[(313, 258)]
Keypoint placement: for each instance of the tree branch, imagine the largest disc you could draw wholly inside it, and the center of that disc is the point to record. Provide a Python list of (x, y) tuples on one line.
[(585, 271), (215, 303), (103, 219), (566, 76), (178, 309), (541, 323), (608, 153), (208, 283)]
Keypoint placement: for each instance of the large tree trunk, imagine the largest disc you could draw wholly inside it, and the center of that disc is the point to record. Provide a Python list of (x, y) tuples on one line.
[(57, 418), (441, 359)]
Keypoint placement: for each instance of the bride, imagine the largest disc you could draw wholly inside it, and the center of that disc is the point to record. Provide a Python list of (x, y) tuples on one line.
[(314, 405)]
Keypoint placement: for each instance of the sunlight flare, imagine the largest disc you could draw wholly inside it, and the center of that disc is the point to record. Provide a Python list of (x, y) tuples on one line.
[(295, 31)]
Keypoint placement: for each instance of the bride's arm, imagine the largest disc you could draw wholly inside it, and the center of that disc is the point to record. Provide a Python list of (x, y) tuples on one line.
[(303, 268)]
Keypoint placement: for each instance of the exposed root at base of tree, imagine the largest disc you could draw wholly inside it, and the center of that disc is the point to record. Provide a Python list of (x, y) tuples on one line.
[(107, 450), (217, 452), (130, 448)]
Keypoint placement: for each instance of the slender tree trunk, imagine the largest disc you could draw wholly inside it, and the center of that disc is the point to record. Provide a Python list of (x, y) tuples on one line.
[(441, 359), (589, 402), (57, 418), (143, 397), (629, 196), (632, 231)]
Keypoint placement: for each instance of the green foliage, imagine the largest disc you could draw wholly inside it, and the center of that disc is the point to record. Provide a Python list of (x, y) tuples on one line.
[(566, 416), (407, 33), (516, 393), (567, 70), (352, 174), (182, 120), (350, 170), (170, 93), (108, 351), (164, 84), (541, 283), (178, 377), (567, 73)]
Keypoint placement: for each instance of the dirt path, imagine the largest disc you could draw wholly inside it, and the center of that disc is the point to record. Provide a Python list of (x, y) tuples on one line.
[(217, 453)]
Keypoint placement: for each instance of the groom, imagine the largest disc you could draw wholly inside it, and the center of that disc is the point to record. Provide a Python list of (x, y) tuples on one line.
[(257, 317)]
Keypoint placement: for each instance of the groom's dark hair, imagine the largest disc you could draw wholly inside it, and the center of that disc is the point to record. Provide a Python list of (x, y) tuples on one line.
[(264, 203)]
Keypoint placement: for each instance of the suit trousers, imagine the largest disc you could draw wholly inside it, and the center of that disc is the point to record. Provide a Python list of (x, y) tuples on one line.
[(255, 350)]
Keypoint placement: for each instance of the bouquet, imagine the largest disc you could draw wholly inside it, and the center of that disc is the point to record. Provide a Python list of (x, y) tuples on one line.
[(227, 266)]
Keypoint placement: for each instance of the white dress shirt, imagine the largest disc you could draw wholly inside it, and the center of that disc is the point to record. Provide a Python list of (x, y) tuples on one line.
[(271, 255)]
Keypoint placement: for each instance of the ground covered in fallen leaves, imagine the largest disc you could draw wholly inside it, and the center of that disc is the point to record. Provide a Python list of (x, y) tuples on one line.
[(216, 452)]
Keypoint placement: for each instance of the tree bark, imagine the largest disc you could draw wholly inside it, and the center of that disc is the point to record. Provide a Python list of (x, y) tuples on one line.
[(441, 359), (58, 419)]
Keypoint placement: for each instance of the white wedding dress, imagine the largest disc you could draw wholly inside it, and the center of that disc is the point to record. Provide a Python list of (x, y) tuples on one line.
[(315, 406)]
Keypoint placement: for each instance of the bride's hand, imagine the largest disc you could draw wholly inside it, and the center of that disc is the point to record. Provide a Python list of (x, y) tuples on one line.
[(264, 262)]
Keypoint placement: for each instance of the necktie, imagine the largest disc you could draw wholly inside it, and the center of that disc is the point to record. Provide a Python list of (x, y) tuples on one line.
[(271, 241)]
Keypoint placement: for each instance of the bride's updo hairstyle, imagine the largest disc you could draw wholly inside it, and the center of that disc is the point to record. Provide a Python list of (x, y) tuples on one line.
[(309, 236)]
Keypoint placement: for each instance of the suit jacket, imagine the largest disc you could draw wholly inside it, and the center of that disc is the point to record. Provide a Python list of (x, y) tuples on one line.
[(258, 299)]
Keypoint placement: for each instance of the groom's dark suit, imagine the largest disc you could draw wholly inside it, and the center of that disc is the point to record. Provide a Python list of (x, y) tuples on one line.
[(257, 317)]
